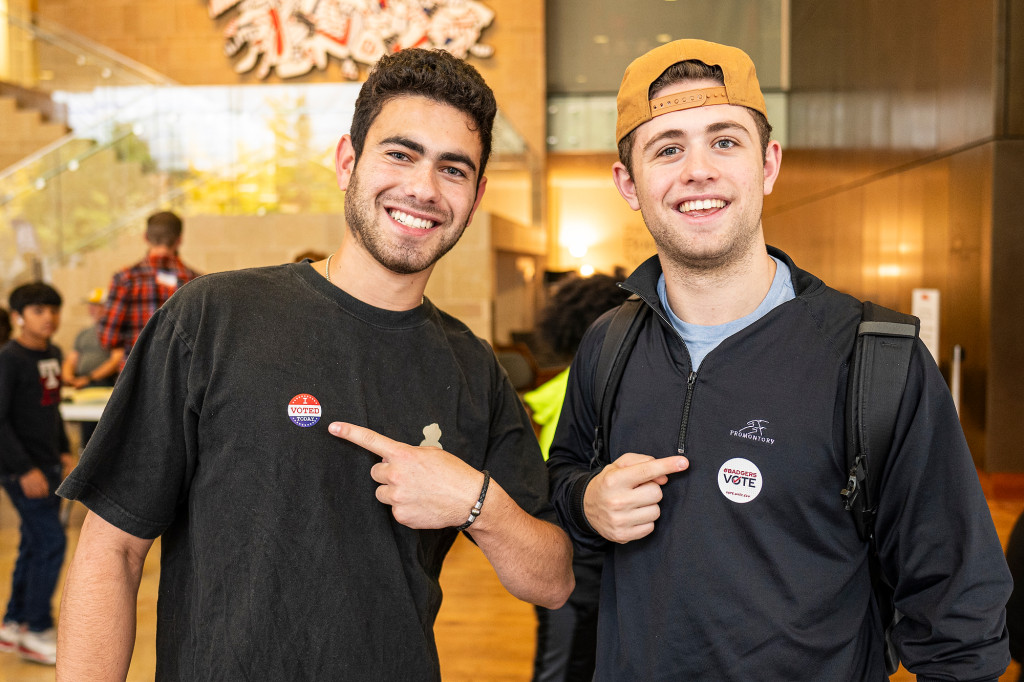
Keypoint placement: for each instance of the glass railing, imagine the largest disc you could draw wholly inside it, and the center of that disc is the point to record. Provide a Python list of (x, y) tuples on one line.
[(140, 143)]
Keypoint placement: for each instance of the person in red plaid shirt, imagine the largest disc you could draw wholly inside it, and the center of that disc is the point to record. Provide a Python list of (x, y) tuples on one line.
[(136, 292)]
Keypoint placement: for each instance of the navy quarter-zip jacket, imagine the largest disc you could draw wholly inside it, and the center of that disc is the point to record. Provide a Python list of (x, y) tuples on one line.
[(754, 570)]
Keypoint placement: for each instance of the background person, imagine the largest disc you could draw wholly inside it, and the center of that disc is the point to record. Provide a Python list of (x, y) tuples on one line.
[(34, 454), (5, 326), (89, 363), (252, 430), (731, 557), (567, 636), (136, 292)]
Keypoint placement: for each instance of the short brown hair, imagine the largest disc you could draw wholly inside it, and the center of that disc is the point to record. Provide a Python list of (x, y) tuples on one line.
[(435, 74), (691, 69), (163, 229)]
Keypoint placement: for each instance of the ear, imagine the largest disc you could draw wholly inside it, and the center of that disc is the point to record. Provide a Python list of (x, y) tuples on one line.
[(625, 184), (344, 161), (479, 195), (772, 165)]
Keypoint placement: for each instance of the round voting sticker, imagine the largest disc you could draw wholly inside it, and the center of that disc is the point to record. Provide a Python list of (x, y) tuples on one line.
[(304, 410), (740, 480)]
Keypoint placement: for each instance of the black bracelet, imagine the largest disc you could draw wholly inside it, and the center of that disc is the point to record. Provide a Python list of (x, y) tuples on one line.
[(475, 511)]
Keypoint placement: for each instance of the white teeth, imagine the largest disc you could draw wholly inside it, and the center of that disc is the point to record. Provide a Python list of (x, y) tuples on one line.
[(701, 205), (411, 221)]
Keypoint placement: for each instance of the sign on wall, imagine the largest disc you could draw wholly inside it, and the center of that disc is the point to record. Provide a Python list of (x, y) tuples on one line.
[(292, 37), (925, 305)]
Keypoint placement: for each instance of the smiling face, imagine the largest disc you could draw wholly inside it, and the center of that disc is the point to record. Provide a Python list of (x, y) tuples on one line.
[(415, 187), (699, 179)]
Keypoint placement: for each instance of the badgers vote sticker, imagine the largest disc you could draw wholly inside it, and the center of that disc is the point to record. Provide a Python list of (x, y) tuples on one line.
[(304, 410), (740, 480)]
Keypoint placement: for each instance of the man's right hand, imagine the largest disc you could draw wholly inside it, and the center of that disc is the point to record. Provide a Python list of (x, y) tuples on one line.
[(34, 484), (621, 502)]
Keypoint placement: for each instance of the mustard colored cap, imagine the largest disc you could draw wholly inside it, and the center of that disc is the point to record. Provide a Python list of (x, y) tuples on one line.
[(97, 295), (635, 108)]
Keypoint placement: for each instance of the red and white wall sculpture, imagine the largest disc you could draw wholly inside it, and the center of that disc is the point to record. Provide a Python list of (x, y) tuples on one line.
[(293, 37)]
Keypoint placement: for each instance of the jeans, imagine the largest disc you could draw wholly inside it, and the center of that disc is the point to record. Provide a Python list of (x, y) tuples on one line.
[(40, 554)]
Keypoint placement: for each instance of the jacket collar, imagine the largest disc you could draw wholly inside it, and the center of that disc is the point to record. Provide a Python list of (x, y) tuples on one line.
[(644, 280)]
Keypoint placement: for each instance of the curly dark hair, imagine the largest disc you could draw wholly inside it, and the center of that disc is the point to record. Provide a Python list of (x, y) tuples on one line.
[(573, 308), (435, 74)]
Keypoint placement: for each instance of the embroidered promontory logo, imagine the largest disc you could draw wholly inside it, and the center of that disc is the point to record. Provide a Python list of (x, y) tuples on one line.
[(755, 430)]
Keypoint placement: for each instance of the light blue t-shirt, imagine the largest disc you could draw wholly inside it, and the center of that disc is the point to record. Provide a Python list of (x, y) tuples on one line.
[(701, 340)]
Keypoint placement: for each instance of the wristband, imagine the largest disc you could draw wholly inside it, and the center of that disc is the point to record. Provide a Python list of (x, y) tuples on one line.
[(475, 511)]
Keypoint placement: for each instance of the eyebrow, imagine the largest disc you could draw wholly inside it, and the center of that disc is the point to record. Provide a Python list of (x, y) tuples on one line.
[(711, 129), (453, 157)]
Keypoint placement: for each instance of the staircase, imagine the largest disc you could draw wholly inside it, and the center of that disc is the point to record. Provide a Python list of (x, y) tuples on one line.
[(29, 121)]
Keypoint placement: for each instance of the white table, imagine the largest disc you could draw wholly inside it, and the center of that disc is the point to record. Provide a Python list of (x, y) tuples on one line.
[(82, 412), (86, 405)]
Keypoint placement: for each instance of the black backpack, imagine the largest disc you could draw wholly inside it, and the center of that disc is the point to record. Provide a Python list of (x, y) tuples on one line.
[(878, 375)]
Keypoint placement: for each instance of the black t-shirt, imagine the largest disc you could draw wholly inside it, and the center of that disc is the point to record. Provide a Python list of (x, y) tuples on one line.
[(278, 560), (31, 430)]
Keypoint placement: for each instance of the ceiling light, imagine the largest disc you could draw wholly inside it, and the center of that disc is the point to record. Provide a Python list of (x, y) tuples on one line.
[(664, 37), (601, 39)]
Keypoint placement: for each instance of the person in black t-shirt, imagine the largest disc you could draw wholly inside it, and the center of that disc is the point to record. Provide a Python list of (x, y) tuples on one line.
[(252, 426), (34, 453)]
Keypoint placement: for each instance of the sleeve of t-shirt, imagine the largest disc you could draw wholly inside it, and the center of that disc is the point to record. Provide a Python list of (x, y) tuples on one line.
[(136, 469), (514, 459), (16, 460)]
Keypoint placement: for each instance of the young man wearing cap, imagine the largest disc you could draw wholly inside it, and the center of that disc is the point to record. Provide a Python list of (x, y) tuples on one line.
[(297, 543), (729, 554)]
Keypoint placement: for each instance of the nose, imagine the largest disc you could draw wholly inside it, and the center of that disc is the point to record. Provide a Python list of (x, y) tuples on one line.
[(698, 166), (422, 184)]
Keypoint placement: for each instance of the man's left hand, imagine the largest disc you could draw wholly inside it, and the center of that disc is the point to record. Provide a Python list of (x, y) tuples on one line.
[(426, 487)]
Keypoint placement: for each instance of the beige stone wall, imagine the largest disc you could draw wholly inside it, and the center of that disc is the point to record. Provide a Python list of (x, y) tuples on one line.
[(461, 284), (179, 39)]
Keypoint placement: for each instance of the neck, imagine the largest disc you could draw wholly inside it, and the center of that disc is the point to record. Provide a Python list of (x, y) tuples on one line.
[(712, 297), (32, 342), (358, 274), (162, 252)]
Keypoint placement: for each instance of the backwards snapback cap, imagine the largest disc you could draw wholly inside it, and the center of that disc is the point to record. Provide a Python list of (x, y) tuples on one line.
[(636, 107)]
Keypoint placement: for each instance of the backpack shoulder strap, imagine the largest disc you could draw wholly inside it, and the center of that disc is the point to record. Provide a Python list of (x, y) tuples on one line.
[(618, 344), (878, 375)]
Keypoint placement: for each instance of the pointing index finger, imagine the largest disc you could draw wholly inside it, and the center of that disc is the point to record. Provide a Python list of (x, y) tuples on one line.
[(378, 444), (652, 469)]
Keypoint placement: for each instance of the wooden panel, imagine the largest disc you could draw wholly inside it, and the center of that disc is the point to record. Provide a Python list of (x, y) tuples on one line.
[(1013, 84), (878, 239), (1006, 377), (892, 75)]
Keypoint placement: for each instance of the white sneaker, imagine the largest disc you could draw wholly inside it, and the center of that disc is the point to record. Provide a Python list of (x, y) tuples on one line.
[(10, 636), (39, 647)]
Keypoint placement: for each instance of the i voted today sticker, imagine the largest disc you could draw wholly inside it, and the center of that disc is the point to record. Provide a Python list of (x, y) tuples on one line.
[(304, 410), (740, 480)]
